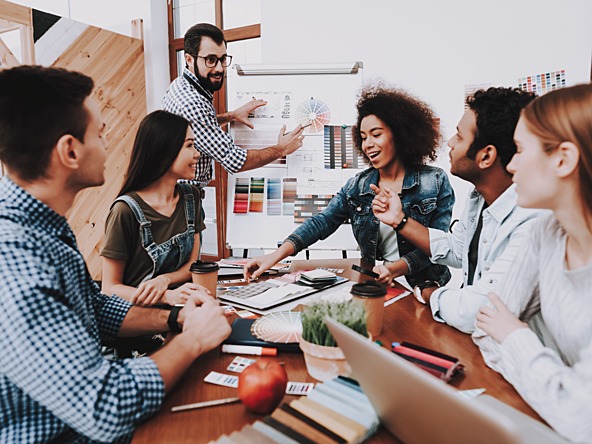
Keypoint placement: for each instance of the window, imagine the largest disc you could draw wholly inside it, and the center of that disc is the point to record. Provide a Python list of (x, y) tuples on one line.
[(240, 21)]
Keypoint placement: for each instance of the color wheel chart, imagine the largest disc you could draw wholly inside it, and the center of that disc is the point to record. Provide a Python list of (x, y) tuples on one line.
[(315, 112), (543, 83), (339, 148)]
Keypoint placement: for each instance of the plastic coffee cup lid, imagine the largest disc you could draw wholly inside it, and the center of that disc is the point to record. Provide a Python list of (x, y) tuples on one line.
[(368, 289), (203, 267)]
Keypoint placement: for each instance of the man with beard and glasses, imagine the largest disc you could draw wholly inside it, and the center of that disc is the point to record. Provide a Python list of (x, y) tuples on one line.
[(191, 96)]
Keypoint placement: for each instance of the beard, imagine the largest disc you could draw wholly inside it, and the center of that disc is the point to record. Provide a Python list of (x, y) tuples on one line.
[(206, 81)]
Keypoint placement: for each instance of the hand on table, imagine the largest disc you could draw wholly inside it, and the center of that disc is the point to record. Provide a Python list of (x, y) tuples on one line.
[(180, 295), (206, 323), (386, 277), (151, 291), (257, 266), (497, 321)]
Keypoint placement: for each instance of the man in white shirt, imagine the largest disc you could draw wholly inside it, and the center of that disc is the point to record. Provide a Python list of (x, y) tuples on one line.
[(489, 235)]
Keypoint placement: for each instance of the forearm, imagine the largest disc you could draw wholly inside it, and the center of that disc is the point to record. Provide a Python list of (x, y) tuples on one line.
[(175, 358), (123, 291), (258, 158), (224, 118), (417, 234), (398, 268), (143, 320)]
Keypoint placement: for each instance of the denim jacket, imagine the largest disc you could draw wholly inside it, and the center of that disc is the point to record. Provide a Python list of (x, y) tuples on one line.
[(426, 196)]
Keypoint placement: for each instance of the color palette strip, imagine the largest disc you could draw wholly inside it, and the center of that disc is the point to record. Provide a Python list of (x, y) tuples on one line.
[(543, 83), (274, 197), (289, 195), (241, 195), (256, 194), (339, 151), (309, 205)]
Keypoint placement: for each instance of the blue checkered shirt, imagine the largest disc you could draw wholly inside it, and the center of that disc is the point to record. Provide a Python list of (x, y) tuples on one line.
[(55, 386), (211, 140)]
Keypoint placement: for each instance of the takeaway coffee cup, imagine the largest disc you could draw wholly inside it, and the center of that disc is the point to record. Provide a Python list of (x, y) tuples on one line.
[(206, 274), (372, 294)]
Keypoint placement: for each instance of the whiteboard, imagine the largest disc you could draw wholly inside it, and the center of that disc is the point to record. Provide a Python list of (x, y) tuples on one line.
[(326, 100)]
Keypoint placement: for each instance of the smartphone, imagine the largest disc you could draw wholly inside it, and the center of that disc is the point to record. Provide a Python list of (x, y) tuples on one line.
[(365, 271)]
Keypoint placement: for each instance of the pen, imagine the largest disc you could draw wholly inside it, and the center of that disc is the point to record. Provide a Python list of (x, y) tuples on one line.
[(249, 350), (199, 405)]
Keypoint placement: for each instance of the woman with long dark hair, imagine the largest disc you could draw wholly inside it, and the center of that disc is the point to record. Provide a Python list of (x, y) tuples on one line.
[(152, 230)]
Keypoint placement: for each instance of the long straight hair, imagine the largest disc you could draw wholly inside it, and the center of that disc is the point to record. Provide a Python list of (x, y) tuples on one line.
[(159, 139), (565, 115)]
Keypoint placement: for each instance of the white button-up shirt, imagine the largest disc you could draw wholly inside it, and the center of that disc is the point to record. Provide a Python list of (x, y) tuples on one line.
[(505, 226)]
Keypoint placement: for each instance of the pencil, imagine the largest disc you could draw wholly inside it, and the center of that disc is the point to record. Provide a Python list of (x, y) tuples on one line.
[(199, 405)]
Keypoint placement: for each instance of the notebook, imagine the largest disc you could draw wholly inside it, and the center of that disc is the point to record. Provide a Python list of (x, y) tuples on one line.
[(241, 335), (418, 408)]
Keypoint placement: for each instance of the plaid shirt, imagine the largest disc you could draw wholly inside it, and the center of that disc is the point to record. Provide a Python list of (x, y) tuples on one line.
[(55, 386), (195, 104)]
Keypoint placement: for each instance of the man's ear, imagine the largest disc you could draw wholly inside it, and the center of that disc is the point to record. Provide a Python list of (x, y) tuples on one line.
[(66, 152), (189, 59), (486, 157), (566, 158)]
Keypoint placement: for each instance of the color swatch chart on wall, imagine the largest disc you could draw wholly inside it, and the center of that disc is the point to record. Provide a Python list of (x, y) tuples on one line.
[(543, 83), (266, 204), (281, 199)]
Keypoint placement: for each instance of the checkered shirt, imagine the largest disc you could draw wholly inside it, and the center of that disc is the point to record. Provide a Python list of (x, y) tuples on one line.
[(211, 140), (55, 386)]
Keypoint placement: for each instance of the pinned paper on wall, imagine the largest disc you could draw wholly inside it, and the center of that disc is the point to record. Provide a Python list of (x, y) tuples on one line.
[(471, 89), (241, 195), (279, 103), (289, 195), (265, 136), (543, 83), (256, 194), (309, 205), (314, 112), (274, 197)]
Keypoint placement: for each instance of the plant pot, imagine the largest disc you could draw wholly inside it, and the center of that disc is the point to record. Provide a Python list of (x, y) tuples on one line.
[(324, 363)]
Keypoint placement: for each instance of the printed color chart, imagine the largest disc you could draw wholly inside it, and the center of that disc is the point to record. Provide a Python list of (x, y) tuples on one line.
[(543, 83), (339, 151)]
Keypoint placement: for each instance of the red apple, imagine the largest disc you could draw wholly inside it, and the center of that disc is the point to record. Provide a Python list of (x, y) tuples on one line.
[(262, 385)]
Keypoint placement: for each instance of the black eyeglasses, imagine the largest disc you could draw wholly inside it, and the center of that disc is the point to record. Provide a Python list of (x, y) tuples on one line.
[(211, 60)]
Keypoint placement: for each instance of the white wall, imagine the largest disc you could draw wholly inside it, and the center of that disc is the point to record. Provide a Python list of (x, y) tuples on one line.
[(116, 15)]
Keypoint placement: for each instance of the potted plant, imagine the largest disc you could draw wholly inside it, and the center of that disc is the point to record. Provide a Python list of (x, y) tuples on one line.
[(324, 360)]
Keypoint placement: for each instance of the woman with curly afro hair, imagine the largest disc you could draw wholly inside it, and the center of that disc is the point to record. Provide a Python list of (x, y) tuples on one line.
[(397, 135)]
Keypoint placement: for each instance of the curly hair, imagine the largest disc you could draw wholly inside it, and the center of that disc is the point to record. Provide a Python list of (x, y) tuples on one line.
[(497, 111), (411, 121)]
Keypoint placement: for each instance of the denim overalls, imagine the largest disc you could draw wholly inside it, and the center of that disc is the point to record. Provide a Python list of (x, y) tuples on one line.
[(170, 255)]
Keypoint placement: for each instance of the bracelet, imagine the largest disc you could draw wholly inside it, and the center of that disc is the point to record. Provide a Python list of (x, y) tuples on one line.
[(172, 319), (401, 224)]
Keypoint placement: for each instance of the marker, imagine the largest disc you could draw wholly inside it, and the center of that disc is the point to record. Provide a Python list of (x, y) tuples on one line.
[(249, 350)]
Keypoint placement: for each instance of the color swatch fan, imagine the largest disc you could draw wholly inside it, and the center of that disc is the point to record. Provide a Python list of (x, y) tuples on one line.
[(282, 326), (315, 112)]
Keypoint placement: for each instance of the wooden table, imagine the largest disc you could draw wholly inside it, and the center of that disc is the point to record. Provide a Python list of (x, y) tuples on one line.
[(405, 320)]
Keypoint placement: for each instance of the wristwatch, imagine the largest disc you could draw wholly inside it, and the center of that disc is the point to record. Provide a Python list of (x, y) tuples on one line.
[(172, 319), (419, 287)]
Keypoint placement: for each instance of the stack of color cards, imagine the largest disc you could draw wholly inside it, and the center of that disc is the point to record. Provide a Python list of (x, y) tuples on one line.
[(438, 364), (335, 411)]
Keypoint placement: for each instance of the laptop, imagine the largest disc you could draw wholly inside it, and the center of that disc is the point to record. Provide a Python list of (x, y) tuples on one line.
[(419, 408)]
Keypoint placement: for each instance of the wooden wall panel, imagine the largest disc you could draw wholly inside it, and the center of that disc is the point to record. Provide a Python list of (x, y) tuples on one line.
[(116, 63)]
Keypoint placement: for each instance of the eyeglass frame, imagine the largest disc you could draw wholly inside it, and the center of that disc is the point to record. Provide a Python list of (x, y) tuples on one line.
[(218, 60)]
